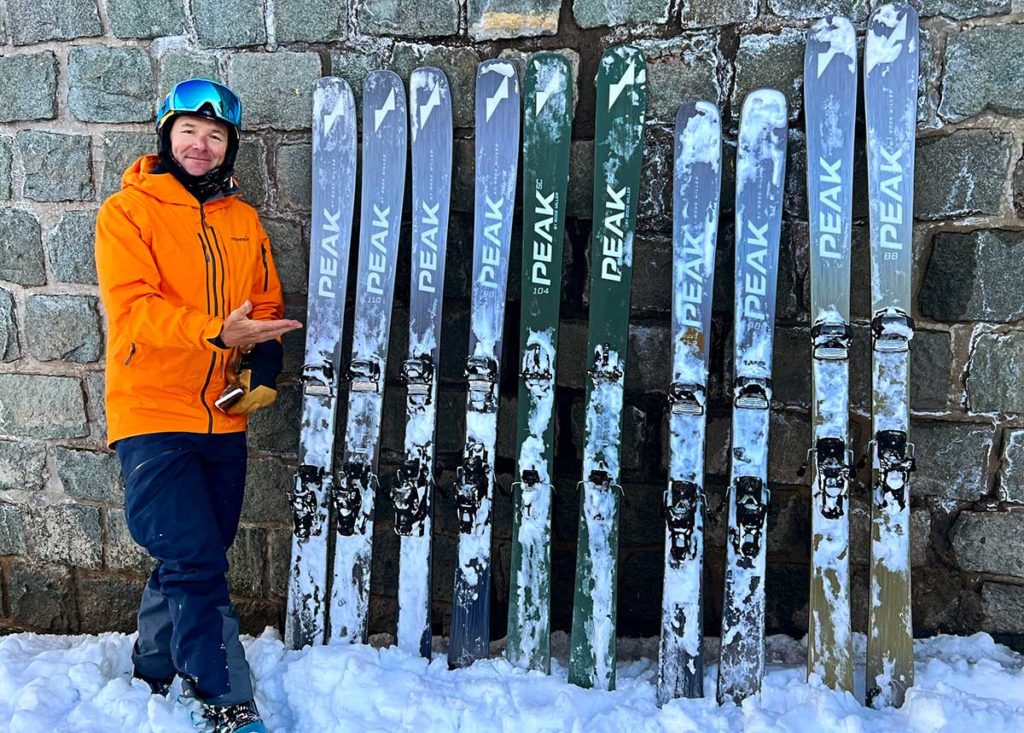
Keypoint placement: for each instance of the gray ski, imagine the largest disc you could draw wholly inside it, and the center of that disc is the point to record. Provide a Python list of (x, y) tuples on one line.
[(333, 195), (760, 173), (430, 125), (696, 188), (497, 156), (382, 189), (830, 93), (890, 105)]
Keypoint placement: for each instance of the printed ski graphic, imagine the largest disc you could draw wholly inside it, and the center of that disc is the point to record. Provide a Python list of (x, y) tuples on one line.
[(497, 156), (381, 190), (830, 93), (696, 191), (430, 124), (890, 104), (760, 172), (618, 154), (546, 140), (333, 196)]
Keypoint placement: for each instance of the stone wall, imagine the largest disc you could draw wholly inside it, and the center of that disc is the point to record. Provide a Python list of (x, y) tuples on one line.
[(78, 85)]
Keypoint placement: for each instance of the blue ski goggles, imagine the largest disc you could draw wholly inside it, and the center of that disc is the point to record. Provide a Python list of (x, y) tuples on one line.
[(202, 97)]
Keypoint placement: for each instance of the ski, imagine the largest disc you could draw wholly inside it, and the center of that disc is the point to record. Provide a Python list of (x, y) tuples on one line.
[(497, 158), (760, 173), (333, 196), (382, 188), (830, 94), (890, 104), (430, 126), (547, 127), (696, 190), (618, 154)]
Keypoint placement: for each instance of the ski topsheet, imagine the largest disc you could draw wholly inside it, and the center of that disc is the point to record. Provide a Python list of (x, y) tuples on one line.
[(430, 124), (546, 137), (381, 190), (760, 172), (890, 104), (618, 154), (497, 157), (696, 188), (333, 196), (830, 93)]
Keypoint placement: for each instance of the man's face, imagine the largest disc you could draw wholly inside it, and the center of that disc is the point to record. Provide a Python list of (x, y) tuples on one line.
[(198, 144)]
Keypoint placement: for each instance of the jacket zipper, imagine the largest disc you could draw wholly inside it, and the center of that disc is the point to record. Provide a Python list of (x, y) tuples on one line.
[(210, 288), (266, 271), (131, 353)]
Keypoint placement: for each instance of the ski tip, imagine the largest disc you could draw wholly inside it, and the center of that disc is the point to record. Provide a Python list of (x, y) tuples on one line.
[(379, 77), (892, 15), (623, 54), (502, 67), (549, 58), (764, 108), (831, 38), (332, 100), (892, 33), (698, 134), (706, 111)]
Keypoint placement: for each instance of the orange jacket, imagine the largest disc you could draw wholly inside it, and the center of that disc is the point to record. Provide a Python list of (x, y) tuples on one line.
[(170, 271)]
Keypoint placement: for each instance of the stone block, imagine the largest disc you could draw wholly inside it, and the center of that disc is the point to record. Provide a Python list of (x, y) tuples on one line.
[(251, 171), (294, 179), (984, 70), (90, 475), (789, 525), (651, 287), (414, 19), (267, 483), (1002, 606), (1011, 472), (276, 428), (791, 366), (6, 157), (42, 407), (9, 348), (276, 89), (178, 64), (458, 64), (33, 21), (1018, 187), (654, 204), (972, 277), (57, 167), (489, 19), (246, 27), (146, 18), (931, 359), (963, 9), (245, 562), (42, 597), (789, 436), (22, 466), (598, 13), (772, 60), (310, 21), (995, 377), (71, 248), (108, 603), (280, 542), (354, 65), (855, 10), (123, 554), (952, 459), (35, 71), (95, 407), (712, 13), (12, 532), (291, 254), (989, 542), (681, 69), (120, 151), (960, 174), (68, 534), (63, 327), (110, 84), (648, 359)]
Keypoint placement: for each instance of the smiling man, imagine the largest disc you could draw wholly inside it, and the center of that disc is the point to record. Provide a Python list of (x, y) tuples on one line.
[(194, 316)]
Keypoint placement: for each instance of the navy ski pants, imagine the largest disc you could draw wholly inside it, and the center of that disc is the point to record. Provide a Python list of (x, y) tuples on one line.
[(183, 499)]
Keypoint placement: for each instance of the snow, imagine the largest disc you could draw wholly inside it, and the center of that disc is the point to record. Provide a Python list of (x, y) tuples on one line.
[(82, 683)]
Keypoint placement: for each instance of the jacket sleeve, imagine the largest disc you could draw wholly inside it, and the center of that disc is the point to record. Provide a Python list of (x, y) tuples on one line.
[(129, 284), (267, 298)]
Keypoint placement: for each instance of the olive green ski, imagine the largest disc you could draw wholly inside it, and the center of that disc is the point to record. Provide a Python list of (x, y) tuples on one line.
[(547, 132), (618, 154)]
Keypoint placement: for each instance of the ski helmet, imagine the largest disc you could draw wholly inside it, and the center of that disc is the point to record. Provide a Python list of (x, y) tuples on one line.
[(204, 98)]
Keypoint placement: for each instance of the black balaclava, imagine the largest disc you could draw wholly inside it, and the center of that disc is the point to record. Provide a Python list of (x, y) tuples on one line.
[(211, 183)]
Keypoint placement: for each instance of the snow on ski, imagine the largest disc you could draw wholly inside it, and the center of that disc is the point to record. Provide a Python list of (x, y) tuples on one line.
[(618, 154), (382, 189), (830, 93), (696, 191), (497, 158), (333, 196), (760, 173), (890, 103), (547, 130), (430, 125)]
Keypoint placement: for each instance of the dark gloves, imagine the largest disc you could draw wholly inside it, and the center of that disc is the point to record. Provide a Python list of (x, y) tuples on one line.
[(252, 378)]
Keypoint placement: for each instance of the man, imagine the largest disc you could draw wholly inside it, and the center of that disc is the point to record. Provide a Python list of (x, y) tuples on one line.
[(189, 286)]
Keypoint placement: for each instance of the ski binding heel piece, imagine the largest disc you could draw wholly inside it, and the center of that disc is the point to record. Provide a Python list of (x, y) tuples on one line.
[(536, 371), (364, 375), (318, 379), (410, 498), (833, 465), (471, 485), (752, 393), (892, 330), (347, 497), (894, 458), (830, 340), (686, 399), (682, 503), (751, 511), (600, 501), (418, 375), (303, 499), (528, 488), (481, 371), (606, 365)]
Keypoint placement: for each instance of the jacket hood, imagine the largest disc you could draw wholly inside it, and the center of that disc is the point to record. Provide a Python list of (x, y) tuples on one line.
[(163, 186)]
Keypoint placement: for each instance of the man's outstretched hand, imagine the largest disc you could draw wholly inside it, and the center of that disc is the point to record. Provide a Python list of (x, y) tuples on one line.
[(240, 330)]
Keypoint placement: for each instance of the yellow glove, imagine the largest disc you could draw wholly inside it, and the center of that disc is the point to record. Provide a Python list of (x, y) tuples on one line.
[(252, 379)]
